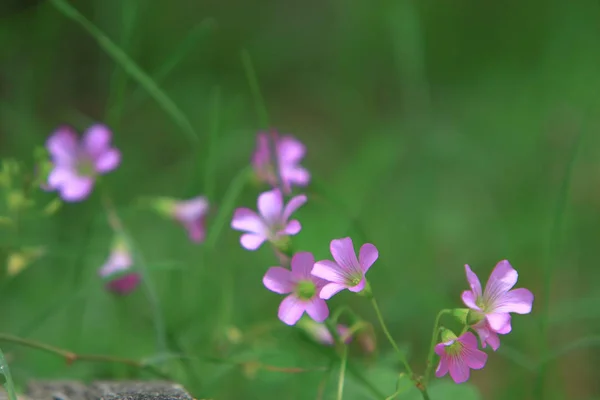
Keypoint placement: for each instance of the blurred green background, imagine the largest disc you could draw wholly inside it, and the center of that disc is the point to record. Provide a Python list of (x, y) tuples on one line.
[(445, 130)]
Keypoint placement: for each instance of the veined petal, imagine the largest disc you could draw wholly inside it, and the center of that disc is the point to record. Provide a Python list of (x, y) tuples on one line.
[(302, 264), (501, 280), (470, 300), (291, 309), (108, 160), (459, 371), (330, 289), (518, 301), (473, 282), (244, 219), (343, 253), (329, 271), (498, 321), (251, 241), (475, 358), (367, 256), (506, 328), (442, 368), (279, 280), (294, 203), (270, 205), (317, 309)]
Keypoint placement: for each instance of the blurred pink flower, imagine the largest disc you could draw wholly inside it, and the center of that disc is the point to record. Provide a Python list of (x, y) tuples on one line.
[(459, 356), (272, 223), (290, 152), (303, 289), (496, 302), (323, 336), (117, 270), (76, 164), (347, 272), (190, 213)]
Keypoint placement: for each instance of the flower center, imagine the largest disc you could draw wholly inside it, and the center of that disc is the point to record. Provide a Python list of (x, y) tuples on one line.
[(306, 290), (86, 167), (355, 280), (454, 349)]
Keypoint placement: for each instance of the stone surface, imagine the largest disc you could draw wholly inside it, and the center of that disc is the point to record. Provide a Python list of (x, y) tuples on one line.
[(106, 390)]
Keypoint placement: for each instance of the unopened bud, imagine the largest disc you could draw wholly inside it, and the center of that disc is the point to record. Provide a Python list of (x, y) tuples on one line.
[(20, 260), (448, 335), (461, 314), (474, 317)]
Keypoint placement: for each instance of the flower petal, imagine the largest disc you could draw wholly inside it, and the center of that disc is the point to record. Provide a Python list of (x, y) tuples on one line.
[(270, 205), (294, 203), (124, 284), (518, 301), (498, 321), (473, 282), (440, 349), (291, 309), (192, 209), (59, 176), (108, 161), (244, 219), (76, 189), (302, 264), (290, 149), (343, 253), (459, 371), (196, 230), (117, 262), (63, 146), (501, 280), (279, 280), (296, 175), (367, 256), (317, 309), (468, 340), (251, 241), (506, 328), (292, 228), (329, 271), (468, 297), (330, 289), (96, 140), (442, 368), (475, 358)]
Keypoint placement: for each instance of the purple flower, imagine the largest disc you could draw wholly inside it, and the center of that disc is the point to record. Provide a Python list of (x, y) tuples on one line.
[(78, 163), (346, 272), (303, 288), (496, 302), (459, 356), (290, 152), (117, 270), (272, 223), (323, 336)]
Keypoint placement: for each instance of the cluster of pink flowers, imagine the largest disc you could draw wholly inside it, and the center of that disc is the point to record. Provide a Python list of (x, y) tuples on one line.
[(77, 163)]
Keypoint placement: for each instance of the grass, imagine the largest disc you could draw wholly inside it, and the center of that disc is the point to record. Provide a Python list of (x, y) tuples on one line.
[(443, 135)]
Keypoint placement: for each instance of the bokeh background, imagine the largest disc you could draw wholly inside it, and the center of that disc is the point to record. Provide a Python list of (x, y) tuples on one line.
[(444, 132)]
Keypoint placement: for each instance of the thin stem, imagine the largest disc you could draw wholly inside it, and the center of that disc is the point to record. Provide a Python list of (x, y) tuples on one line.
[(434, 337), (401, 354), (8, 384), (340, 391), (71, 357)]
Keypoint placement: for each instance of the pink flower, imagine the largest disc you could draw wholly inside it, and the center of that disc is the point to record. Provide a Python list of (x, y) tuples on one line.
[(272, 223), (289, 152), (346, 272), (496, 302), (303, 288), (117, 271), (77, 164), (189, 213), (459, 356), (323, 336)]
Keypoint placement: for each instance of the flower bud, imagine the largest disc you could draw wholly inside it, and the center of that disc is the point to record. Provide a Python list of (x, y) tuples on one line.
[(460, 314), (21, 259), (474, 317), (448, 335)]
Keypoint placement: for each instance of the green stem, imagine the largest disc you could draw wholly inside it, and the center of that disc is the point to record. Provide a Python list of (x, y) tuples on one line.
[(8, 384), (434, 337), (401, 354), (340, 391)]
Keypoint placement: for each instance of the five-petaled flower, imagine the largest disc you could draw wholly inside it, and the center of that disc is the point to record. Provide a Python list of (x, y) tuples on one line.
[(117, 270), (459, 356), (347, 272), (496, 302), (76, 164), (272, 223), (289, 151), (303, 289), (190, 213)]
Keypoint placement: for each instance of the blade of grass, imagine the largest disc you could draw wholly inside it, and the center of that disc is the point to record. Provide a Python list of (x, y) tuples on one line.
[(129, 66), (8, 384), (340, 390)]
